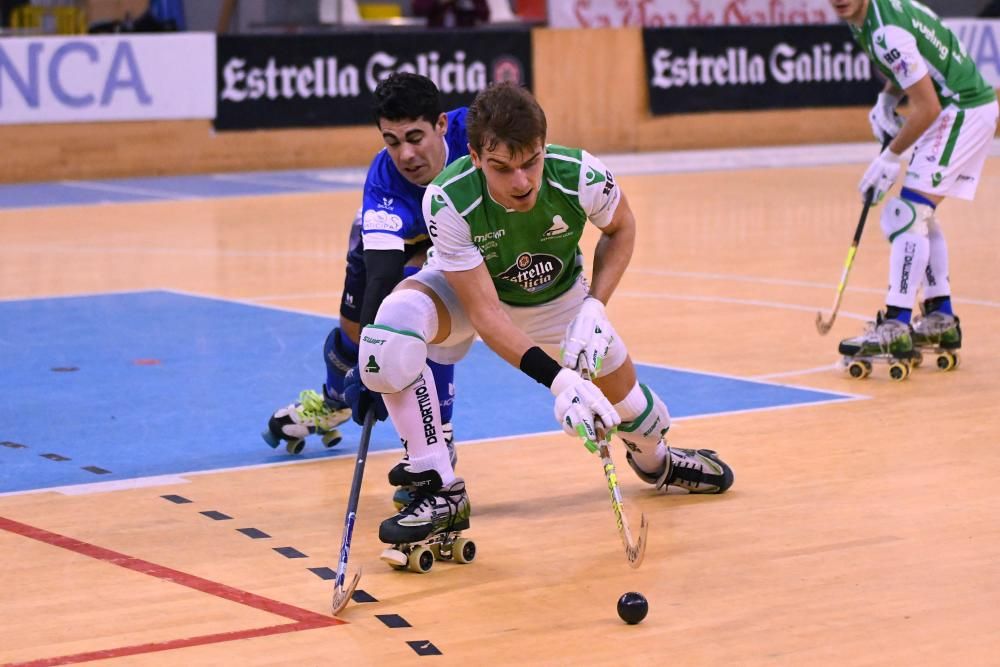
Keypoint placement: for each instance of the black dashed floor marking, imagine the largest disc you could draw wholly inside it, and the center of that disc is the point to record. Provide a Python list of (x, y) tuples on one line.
[(363, 596), (327, 574), (12, 445), (96, 470), (55, 457), (424, 648), (324, 573), (290, 552), (253, 533), (393, 620)]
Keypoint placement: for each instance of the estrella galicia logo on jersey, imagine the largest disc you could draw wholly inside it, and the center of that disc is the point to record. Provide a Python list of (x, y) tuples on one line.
[(437, 203), (533, 272), (558, 228), (880, 40), (936, 178)]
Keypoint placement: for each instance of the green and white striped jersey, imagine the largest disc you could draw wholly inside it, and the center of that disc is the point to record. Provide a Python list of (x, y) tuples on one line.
[(906, 40), (533, 257)]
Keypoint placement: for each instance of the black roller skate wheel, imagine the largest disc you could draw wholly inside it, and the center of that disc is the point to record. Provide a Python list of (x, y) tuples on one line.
[(857, 370), (421, 560), (899, 371), (295, 446), (947, 361), (464, 551)]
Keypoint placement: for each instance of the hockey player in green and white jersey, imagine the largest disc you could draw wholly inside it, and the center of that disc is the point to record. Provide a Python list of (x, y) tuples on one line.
[(506, 222), (951, 124)]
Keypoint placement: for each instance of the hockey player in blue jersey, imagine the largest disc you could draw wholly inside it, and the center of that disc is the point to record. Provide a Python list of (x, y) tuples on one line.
[(388, 241)]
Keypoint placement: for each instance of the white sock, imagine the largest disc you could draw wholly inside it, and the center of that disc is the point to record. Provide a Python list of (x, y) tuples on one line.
[(649, 459), (936, 281), (416, 414), (907, 264)]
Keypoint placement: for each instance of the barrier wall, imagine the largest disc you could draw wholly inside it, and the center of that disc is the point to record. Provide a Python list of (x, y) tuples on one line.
[(591, 83)]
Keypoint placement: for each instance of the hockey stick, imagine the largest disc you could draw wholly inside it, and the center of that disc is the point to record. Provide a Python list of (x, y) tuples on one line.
[(634, 550), (823, 327), (342, 594)]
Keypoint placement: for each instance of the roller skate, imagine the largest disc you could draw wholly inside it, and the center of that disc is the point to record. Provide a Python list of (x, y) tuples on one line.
[(884, 341), (939, 334), (430, 527), (312, 414), (398, 476), (696, 470)]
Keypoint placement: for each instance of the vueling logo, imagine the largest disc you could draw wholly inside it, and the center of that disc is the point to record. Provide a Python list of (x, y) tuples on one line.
[(437, 203)]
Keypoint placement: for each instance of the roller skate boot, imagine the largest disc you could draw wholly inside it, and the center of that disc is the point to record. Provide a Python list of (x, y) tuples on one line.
[(696, 470), (312, 414), (939, 334), (398, 476), (885, 341), (429, 528)]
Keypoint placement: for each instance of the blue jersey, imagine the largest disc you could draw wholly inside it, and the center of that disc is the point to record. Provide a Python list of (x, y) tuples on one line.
[(392, 215)]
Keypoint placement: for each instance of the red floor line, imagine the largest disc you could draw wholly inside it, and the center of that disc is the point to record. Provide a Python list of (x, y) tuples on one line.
[(154, 647), (166, 573), (305, 619)]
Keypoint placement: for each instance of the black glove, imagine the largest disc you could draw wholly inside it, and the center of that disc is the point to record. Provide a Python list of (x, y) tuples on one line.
[(362, 399)]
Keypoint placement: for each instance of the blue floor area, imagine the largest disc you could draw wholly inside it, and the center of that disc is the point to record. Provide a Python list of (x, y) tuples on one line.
[(174, 188), (119, 386)]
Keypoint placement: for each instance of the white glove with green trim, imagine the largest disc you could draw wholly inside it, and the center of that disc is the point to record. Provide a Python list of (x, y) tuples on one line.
[(588, 338), (581, 408)]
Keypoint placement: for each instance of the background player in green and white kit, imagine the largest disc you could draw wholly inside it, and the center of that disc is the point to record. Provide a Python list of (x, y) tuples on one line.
[(952, 120), (506, 222)]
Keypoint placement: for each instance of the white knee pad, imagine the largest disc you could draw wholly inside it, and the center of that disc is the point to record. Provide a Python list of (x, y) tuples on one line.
[(390, 359), (644, 432), (900, 215)]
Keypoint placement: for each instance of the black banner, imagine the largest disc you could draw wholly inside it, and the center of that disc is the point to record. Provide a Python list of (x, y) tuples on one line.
[(269, 81), (741, 68)]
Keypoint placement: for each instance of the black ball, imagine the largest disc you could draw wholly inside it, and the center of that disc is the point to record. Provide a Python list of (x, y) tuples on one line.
[(632, 607)]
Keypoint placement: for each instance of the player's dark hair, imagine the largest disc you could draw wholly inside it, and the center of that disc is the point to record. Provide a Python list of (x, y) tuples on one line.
[(505, 113), (406, 96)]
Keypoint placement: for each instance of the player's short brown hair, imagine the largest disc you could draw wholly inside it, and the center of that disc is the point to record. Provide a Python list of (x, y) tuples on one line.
[(505, 113)]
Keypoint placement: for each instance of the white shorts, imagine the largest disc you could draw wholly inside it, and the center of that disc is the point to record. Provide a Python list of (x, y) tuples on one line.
[(948, 158), (544, 324)]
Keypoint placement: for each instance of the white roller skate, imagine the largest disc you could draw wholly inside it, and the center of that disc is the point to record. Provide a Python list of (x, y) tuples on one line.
[(884, 341), (696, 470), (938, 334), (312, 414), (430, 527)]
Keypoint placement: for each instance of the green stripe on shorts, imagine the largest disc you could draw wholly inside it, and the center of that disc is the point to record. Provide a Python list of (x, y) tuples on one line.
[(952, 138)]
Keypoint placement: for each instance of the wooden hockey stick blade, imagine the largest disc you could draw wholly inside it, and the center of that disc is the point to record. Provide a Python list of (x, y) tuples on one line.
[(824, 327), (342, 594), (635, 553)]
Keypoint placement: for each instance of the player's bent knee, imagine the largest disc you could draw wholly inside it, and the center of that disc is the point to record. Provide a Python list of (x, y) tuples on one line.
[(900, 216), (648, 428), (390, 359)]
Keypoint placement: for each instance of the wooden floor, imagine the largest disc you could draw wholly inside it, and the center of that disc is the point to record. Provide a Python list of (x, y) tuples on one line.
[(857, 533)]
